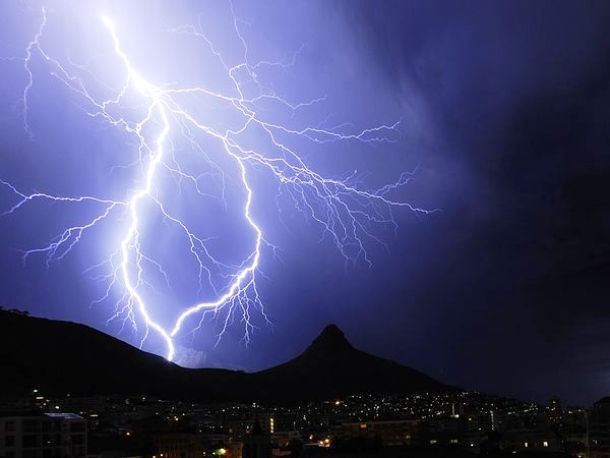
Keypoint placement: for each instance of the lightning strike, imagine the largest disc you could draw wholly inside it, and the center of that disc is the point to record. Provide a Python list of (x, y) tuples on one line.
[(344, 211)]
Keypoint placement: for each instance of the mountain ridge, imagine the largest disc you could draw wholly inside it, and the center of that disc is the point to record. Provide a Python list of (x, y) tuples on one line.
[(63, 357)]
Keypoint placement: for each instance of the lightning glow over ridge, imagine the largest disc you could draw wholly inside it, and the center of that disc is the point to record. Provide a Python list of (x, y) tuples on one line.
[(160, 116)]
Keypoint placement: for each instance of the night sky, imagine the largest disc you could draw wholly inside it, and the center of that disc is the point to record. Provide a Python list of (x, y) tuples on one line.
[(505, 121)]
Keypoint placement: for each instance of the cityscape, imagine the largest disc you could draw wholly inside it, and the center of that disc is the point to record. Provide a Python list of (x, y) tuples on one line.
[(425, 424), (447, 421)]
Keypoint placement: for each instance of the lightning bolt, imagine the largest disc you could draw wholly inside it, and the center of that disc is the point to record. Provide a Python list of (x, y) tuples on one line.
[(344, 210)]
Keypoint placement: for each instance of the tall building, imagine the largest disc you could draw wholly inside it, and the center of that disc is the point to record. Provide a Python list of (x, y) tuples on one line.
[(257, 444), (599, 429), (554, 410), (51, 435)]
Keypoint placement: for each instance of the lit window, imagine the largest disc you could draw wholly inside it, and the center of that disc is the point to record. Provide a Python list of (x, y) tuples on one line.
[(545, 444)]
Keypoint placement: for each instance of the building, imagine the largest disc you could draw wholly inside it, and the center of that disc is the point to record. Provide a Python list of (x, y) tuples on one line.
[(599, 429), (177, 445), (257, 444), (51, 435), (537, 439), (388, 432), (574, 431), (554, 410)]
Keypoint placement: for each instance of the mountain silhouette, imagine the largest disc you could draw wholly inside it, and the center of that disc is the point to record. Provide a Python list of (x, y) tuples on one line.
[(61, 357), (331, 366), (330, 339)]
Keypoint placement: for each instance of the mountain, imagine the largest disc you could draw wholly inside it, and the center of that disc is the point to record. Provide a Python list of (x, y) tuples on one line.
[(332, 366), (62, 357)]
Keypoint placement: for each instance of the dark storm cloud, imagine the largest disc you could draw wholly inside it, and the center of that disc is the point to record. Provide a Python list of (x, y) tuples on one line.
[(520, 97)]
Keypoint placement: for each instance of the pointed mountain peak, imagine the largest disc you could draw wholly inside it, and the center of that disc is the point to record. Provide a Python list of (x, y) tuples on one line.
[(332, 331), (331, 338)]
